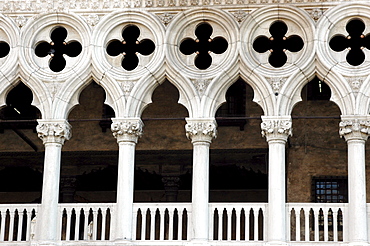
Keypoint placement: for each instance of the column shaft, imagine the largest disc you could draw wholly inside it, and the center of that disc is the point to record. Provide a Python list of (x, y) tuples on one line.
[(48, 214), (200, 191), (357, 191), (125, 190)]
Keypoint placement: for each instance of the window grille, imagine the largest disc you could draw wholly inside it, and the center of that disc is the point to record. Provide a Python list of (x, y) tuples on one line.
[(330, 189)]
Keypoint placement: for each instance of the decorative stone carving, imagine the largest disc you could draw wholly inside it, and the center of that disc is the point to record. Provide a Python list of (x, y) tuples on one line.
[(21, 20), (129, 129), (239, 15), (201, 85), (276, 127), (354, 128), (276, 83), (54, 131), (166, 18), (92, 19), (355, 82), (201, 129), (127, 86), (316, 13)]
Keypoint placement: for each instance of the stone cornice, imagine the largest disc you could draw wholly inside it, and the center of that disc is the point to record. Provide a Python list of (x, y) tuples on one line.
[(127, 129), (201, 130), (276, 127), (354, 127), (54, 131), (101, 6)]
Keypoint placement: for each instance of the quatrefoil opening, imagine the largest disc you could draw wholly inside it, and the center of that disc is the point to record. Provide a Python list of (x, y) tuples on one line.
[(4, 49), (278, 44), (355, 42), (130, 47), (203, 45), (57, 48)]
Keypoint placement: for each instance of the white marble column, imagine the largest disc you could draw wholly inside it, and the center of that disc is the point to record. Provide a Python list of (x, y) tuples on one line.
[(126, 131), (276, 130), (201, 132), (53, 133), (355, 130)]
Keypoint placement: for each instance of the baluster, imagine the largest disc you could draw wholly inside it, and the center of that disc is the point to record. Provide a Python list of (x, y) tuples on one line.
[(77, 226), (256, 211), (28, 219), (152, 223), (247, 223), (134, 223), (143, 223), (220, 227), (237, 228), (2, 228), (289, 223), (170, 227), (20, 222), (11, 225), (95, 224), (68, 224), (180, 214), (229, 222), (86, 212), (316, 219), (307, 224), (297, 224), (345, 228), (161, 223), (103, 222), (326, 224), (335, 225)]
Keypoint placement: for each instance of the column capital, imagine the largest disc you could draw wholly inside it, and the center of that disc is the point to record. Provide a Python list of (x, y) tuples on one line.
[(276, 127), (201, 129), (354, 127), (54, 131), (127, 129)]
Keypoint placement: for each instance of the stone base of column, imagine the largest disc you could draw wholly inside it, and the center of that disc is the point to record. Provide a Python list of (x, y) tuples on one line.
[(276, 243), (358, 244), (44, 243), (123, 242)]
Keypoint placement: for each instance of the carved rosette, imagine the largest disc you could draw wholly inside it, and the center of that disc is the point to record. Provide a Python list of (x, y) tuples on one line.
[(279, 128), (127, 129), (201, 129), (54, 131), (355, 128)]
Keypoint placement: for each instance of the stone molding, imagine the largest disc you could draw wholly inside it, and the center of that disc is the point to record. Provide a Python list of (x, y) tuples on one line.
[(276, 128), (127, 129), (354, 128), (201, 130), (54, 131), (101, 5)]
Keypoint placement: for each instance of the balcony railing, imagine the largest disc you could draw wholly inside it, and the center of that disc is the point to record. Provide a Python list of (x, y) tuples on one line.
[(171, 222)]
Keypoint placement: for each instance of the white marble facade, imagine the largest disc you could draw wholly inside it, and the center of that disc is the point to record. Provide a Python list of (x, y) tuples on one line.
[(24, 24)]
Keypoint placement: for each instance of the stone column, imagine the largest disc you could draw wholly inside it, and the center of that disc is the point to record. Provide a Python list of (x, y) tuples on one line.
[(201, 132), (276, 129), (356, 130), (68, 188), (53, 133), (126, 131), (171, 187)]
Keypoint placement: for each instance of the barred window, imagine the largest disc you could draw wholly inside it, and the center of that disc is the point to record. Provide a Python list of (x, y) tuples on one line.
[(330, 189)]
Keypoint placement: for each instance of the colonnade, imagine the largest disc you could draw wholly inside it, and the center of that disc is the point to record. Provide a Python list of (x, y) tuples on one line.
[(201, 131)]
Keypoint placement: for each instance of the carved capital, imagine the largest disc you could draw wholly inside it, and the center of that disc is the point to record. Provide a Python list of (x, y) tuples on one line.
[(127, 129), (276, 128), (202, 129), (54, 131), (352, 128)]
